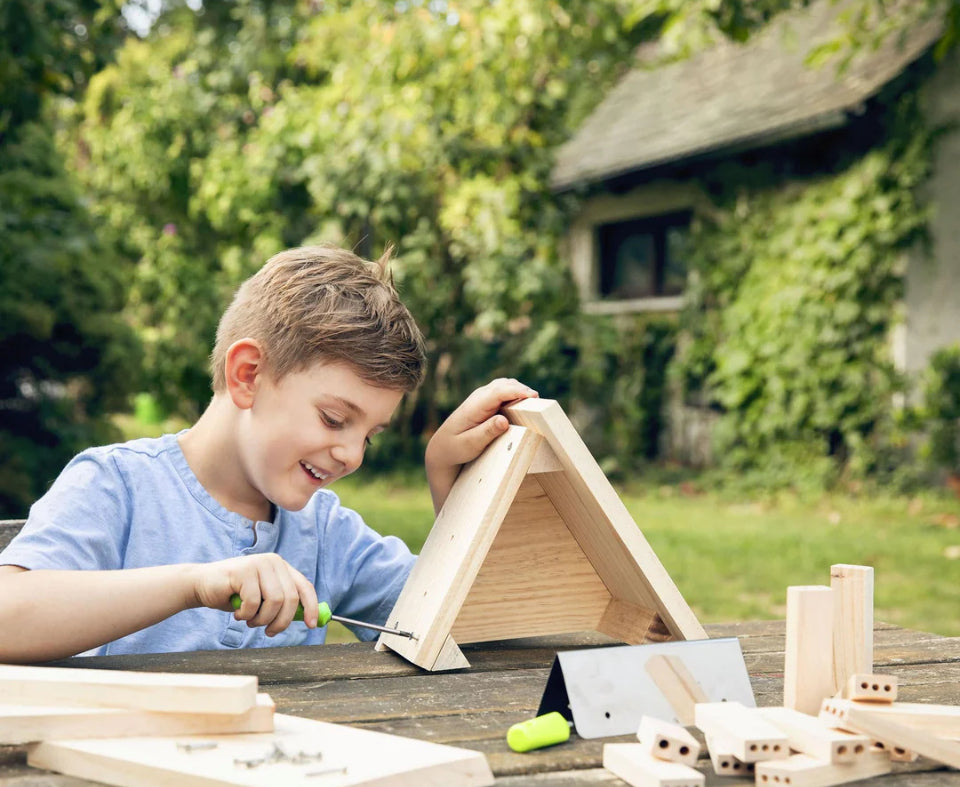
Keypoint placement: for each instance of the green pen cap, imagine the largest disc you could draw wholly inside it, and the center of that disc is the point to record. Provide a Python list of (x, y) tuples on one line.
[(536, 733), (323, 610)]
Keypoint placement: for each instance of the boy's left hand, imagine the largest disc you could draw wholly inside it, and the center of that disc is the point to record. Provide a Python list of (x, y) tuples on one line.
[(468, 431)]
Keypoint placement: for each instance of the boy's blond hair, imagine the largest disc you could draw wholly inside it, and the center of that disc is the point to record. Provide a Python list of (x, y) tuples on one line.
[(322, 303)]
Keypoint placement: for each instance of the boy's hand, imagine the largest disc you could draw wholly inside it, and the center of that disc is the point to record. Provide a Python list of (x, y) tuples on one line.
[(270, 588), (469, 429)]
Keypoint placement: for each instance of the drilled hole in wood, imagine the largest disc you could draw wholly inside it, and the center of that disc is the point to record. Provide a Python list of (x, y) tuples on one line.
[(736, 766), (858, 749), (776, 747), (753, 747), (875, 687), (663, 743), (863, 685), (764, 747), (724, 764), (841, 749), (606, 714), (764, 777), (888, 688), (684, 750), (899, 752)]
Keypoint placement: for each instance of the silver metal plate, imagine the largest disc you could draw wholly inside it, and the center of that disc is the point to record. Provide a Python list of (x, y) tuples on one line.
[(605, 691)]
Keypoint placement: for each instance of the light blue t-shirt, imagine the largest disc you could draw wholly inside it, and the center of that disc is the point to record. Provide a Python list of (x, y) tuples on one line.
[(138, 504)]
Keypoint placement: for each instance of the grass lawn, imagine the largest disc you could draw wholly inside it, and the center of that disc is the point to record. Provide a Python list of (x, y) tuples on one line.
[(733, 560)]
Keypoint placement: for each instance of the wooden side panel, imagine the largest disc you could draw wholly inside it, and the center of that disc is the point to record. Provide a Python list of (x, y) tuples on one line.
[(808, 676), (852, 622), (535, 579), (29, 723), (601, 523), (158, 691), (457, 546), (678, 686), (328, 754)]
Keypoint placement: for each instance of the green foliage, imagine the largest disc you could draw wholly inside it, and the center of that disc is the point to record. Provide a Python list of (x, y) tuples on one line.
[(65, 355), (797, 290), (940, 413), (620, 383)]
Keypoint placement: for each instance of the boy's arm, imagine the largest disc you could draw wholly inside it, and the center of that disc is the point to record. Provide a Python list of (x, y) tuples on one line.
[(468, 430), (50, 614)]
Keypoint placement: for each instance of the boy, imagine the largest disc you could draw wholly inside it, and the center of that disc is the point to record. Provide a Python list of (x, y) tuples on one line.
[(138, 547)]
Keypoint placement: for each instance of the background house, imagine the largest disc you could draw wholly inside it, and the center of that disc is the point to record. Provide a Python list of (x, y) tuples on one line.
[(647, 160)]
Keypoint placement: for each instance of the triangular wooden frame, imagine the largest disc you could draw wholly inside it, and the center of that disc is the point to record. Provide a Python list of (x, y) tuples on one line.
[(533, 540)]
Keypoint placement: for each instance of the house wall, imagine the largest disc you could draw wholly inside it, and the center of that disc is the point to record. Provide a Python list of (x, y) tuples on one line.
[(933, 283)]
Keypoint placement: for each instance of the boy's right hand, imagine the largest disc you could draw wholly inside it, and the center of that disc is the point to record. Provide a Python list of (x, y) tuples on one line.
[(270, 588)]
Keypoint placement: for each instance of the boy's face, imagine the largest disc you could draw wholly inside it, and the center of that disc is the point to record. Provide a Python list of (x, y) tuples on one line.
[(310, 428)]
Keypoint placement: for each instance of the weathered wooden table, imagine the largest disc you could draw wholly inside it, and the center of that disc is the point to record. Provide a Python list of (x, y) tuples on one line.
[(353, 684)]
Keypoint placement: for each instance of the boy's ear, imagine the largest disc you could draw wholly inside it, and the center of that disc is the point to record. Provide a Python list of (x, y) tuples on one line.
[(243, 368)]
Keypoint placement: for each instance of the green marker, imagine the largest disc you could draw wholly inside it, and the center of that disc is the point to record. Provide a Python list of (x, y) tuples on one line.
[(546, 730), (324, 616)]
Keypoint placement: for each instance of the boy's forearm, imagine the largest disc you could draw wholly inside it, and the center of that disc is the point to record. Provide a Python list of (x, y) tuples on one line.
[(49, 615)]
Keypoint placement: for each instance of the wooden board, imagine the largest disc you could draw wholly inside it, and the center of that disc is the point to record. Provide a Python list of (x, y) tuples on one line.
[(871, 688), (29, 723), (638, 768), (802, 770), (158, 691), (724, 763), (677, 685), (532, 540), (667, 741), (741, 731), (808, 675), (852, 622), (369, 758), (942, 720), (809, 735)]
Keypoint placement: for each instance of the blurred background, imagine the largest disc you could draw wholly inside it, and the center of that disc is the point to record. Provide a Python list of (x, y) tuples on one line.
[(725, 234)]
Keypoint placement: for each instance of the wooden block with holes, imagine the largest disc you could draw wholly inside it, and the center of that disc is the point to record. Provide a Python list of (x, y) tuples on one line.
[(943, 720), (808, 735), (871, 688), (533, 540), (877, 721), (808, 659), (633, 763), (802, 770), (724, 763), (668, 741), (742, 731)]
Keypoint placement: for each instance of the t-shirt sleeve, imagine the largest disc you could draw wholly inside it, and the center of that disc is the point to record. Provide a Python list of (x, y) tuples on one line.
[(363, 572), (80, 523)]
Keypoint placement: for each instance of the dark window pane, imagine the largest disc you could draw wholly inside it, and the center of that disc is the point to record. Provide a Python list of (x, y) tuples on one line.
[(644, 258), (675, 265)]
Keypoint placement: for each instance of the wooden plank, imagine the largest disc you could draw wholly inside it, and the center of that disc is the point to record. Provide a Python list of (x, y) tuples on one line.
[(871, 688), (724, 763), (852, 622), (943, 720), (870, 720), (143, 690), (320, 748), (677, 684), (637, 767), (535, 579), (667, 741), (632, 624), (457, 547), (808, 675), (741, 731), (809, 735), (601, 523), (29, 723), (802, 770), (545, 461)]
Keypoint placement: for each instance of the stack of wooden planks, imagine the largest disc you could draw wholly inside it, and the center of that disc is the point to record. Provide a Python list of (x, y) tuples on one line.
[(839, 723), (138, 728)]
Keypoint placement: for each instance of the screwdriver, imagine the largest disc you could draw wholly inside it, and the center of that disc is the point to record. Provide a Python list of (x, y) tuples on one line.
[(324, 616)]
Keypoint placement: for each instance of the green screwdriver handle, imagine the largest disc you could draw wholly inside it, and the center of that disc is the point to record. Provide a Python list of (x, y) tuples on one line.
[(323, 610)]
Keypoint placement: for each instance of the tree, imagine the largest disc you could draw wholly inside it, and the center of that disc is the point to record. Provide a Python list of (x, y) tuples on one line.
[(64, 350)]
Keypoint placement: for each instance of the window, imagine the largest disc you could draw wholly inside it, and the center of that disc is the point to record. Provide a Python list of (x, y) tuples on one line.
[(644, 258)]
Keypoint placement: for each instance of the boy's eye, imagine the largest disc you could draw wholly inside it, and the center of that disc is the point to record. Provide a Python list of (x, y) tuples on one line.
[(333, 423)]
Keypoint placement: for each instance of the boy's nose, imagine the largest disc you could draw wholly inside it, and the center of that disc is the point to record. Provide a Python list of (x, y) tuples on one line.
[(349, 454)]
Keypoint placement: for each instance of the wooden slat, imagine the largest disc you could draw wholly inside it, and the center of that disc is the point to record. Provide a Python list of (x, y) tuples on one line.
[(852, 622), (141, 690), (808, 675), (456, 547)]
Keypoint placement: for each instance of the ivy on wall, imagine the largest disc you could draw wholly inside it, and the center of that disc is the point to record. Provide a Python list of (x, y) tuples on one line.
[(795, 291)]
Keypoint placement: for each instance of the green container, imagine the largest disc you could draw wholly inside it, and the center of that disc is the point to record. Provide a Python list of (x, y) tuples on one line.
[(546, 730)]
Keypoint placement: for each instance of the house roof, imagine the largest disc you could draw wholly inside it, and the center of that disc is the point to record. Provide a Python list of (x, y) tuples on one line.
[(732, 95)]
